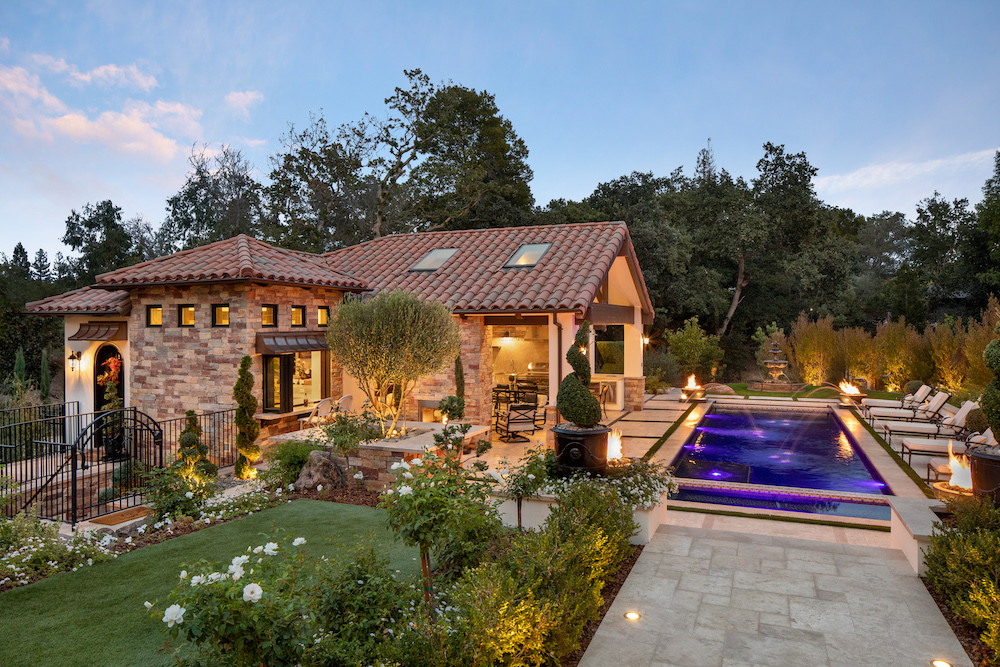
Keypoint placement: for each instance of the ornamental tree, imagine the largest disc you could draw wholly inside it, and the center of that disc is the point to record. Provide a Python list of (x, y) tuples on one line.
[(574, 400), (247, 427), (990, 400), (388, 343)]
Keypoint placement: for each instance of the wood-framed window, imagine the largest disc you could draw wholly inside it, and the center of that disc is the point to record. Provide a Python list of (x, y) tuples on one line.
[(323, 316), (154, 316), (185, 315), (298, 316), (269, 315), (220, 314)]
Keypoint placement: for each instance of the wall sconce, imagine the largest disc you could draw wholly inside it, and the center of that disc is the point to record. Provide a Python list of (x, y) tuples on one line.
[(74, 361), (645, 340)]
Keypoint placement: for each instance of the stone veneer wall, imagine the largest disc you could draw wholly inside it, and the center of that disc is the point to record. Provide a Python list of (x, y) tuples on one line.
[(635, 392), (174, 369), (477, 361)]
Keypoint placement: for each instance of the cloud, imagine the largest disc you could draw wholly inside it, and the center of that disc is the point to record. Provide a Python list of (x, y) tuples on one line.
[(108, 75), (252, 143), (240, 102), (140, 127), (892, 173), (4, 44)]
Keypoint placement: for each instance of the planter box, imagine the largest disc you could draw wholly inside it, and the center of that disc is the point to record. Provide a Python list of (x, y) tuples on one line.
[(536, 510)]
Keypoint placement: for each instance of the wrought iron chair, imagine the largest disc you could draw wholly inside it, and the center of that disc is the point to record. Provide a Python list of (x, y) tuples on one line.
[(519, 418)]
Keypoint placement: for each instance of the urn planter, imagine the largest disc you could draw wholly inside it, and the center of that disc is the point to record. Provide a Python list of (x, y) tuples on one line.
[(985, 469), (581, 449)]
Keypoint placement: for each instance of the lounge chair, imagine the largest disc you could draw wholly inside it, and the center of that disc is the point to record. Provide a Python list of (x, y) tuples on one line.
[(345, 403), (540, 414), (929, 412), (914, 400), (952, 426), (939, 446), (320, 414)]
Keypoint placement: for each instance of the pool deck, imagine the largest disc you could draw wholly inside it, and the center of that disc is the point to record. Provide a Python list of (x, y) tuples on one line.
[(726, 591)]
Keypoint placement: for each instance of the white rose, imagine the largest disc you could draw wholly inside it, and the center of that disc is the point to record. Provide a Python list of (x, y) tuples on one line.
[(270, 549), (298, 541), (252, 593), (189, 495), (405, 490), (173, 614)]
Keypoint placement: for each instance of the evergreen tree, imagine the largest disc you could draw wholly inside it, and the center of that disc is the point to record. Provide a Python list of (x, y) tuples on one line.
[(247, 427)]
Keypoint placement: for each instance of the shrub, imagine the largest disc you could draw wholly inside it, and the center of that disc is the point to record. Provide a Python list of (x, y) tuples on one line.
[(978, 335), (903, 354), (247, 427), (912, 387), (662, 366), (34, 550), (574, 400), (963, 565), (346, 431), (452, 407), (125, 478), (172, 494), (990, 401), (976, 421), (288, 458), (860, 356), (697, 352), (814, 349), (946, 342), (192, 454)]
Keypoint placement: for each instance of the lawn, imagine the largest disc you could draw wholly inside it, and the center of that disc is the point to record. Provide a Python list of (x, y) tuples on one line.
[(96, 616), (809, 391)]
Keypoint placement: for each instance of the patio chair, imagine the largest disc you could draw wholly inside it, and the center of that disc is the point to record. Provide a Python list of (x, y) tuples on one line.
[(914, 400), (345, 403), (929, 412), (939, 446), (320, 414), (519, 418), (540, 412), (952, 426), (604, 395)]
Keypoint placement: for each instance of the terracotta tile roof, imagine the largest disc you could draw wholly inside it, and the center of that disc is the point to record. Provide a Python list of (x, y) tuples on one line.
[(474, 279), (238, 258), (85, 301)]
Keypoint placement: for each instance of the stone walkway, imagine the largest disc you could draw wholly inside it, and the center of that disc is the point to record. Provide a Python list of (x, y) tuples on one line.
[(732, 592)]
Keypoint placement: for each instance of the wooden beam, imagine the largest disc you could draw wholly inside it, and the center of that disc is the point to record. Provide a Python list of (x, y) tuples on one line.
[(516, 320), (605, 313)]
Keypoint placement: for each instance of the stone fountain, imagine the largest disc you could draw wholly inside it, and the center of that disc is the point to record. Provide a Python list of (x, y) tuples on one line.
[(775, 368)]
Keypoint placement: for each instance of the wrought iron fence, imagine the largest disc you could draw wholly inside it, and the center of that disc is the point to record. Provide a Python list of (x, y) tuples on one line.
[(20, 428), (92, 463), (218, 432)]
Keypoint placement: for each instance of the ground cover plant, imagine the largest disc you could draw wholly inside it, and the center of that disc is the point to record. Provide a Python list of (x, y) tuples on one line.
[(107, 624)]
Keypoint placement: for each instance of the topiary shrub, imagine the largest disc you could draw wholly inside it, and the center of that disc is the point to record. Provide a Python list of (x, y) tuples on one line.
[(912, 386), (976, 421), (990, 402), (192, 453), (247, 427), (574, 400)]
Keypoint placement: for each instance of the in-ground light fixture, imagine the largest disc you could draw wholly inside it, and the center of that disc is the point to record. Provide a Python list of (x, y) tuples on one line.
[(940, 663), (634, 616)]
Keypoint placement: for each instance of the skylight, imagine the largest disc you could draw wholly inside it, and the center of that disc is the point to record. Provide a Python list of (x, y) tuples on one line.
[(433, 260), (527, 255)]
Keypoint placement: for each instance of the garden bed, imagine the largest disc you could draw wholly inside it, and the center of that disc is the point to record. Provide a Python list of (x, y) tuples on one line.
[(968, 636)]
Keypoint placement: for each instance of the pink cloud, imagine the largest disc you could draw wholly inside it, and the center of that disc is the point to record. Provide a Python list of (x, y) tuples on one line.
[(240, 102), (108, 75)]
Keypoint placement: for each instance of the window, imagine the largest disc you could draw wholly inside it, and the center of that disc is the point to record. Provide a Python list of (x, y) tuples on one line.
[(294, 381), (185, 315), (154, 316), (269, 315), (323, 316), (298, 316), (527, 255), (433, 260), (609, 349), (220, 315)]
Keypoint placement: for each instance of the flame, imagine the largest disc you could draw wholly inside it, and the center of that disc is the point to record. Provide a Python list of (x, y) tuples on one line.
[(849, 388), (692, 384), (615, 445), (444, 420), (961, 474)]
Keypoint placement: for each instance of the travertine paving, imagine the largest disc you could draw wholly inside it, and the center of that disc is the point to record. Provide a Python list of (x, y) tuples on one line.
[(722, 598)]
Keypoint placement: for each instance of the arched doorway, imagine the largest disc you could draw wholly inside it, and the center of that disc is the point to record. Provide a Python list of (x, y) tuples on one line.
[(104, 353)]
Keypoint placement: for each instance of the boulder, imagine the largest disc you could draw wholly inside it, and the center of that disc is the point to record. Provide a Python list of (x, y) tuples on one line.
[(321, 468), (718, 388)]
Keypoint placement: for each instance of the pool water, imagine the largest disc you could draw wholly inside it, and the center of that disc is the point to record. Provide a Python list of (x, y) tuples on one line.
[(785, 502), (777, 448)]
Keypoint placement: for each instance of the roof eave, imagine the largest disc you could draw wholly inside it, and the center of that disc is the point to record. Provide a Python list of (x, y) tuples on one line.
[(217, 281)]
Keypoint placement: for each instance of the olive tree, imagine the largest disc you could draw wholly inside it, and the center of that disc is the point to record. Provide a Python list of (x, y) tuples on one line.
[(388, 343)]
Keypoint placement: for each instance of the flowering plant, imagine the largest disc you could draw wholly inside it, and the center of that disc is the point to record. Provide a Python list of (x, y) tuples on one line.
[(431, 497), (529, 477)]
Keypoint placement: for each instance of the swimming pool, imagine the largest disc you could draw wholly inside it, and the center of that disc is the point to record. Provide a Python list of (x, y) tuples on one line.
[(785, 448)]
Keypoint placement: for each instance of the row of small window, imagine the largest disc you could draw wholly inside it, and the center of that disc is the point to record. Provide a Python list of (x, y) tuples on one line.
[(220, 315)]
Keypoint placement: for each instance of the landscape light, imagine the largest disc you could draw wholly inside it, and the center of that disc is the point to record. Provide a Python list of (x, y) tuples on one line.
[(634, 616), (940, 663), (74, 361)]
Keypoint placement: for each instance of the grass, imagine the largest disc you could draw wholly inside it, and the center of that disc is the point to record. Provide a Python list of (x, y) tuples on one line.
[(670, 431), (808, 391), (96, 616), (917, 479)]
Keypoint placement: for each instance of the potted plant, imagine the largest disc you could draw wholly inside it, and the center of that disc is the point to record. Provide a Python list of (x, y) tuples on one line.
[(984, 460), (581, 444)]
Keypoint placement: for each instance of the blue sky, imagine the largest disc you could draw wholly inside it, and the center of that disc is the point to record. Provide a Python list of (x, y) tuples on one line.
[(889, 100)]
